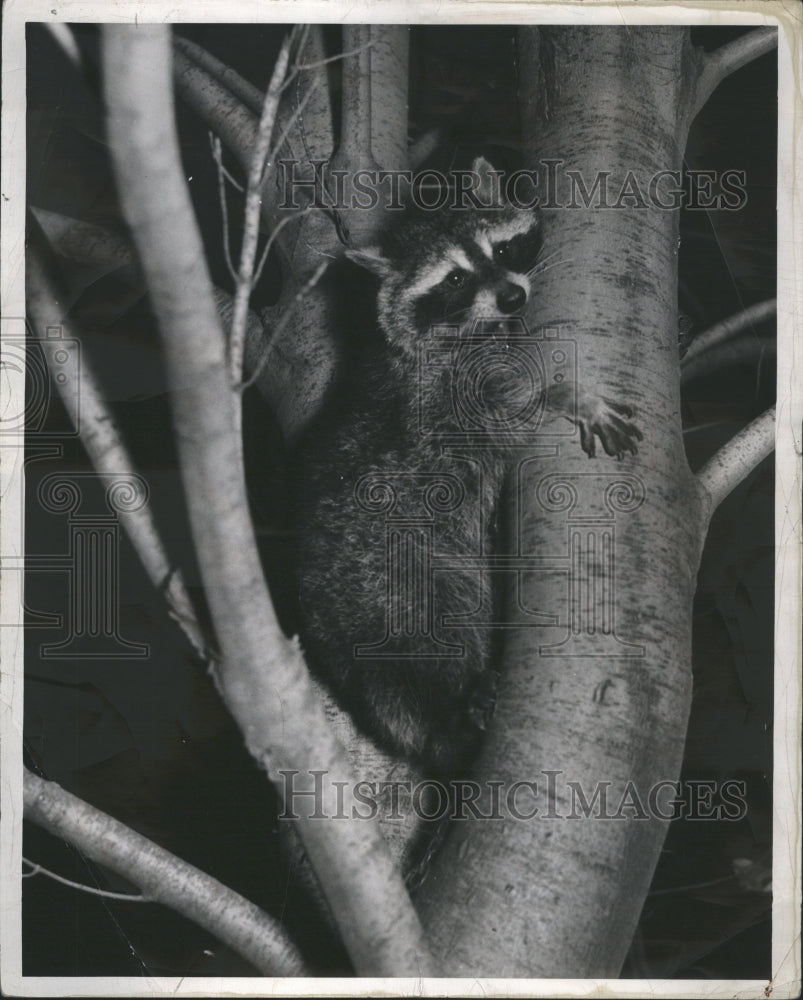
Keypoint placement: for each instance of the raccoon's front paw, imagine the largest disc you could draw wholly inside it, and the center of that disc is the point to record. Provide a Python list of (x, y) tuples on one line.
[(611, 423)]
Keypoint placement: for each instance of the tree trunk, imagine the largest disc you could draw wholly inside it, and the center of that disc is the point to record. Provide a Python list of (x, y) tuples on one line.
[(603, 695)]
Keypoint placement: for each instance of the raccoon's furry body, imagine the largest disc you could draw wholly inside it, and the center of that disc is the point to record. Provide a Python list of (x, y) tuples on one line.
[(372, 452)]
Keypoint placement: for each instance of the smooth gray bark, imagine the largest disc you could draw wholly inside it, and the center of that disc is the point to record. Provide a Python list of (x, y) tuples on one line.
[(561, 897)]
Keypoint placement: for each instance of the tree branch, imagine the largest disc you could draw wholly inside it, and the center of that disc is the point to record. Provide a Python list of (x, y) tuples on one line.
[(355, 137), (263, 678), (389, 75), (244, 91), (163, 877), (728, 58), (760, 312), (230, 105), (354, 149), (744, 349), (218, 108), (98, 431), (736, 460), (62, 35)]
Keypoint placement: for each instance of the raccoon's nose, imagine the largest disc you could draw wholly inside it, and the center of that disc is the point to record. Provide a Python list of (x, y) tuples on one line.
[(510, 298)]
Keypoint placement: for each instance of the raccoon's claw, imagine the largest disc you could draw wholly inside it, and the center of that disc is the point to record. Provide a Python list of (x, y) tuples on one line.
[(623, 408), (610, 422)]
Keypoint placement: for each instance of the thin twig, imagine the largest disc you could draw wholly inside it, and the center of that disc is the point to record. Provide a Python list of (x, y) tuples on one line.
[(736, 460), (286, 316), (279, 226), (299, 68), (728, 58), (297, 112), (253, 201), (274, 236), (305, 67), (302, 37), (217, 156), (90, 890), (163, 877)]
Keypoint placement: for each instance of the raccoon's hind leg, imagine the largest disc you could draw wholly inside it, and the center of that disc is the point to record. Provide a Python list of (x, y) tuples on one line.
[(429, 707), (433, 711)]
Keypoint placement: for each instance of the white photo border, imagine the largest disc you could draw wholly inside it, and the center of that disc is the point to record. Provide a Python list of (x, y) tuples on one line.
[(785, 980)]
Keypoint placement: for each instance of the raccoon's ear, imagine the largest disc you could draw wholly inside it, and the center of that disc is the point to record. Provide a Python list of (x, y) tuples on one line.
[(371, 259), (489, 190)]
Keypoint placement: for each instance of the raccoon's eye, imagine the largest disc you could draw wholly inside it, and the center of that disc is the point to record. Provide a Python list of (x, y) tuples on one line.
[(502, 252), (456, 278)]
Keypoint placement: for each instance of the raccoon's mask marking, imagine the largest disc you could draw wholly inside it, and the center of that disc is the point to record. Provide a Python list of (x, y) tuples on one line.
[(453, 266)]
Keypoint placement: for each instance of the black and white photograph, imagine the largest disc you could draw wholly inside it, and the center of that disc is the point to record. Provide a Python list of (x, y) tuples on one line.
[(400, 449)]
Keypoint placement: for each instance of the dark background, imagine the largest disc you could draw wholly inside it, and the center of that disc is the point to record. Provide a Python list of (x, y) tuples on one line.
[(148, 740)]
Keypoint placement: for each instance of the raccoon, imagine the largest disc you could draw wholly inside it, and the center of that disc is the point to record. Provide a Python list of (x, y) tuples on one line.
[(381, 501)]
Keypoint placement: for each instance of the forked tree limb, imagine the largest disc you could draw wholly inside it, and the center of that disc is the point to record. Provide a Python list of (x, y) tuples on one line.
[(725, 60), (736, 460), (163, 877), (263, 678)]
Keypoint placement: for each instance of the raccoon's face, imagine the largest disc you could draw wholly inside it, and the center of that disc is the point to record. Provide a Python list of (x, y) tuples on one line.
[(454, 268)]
